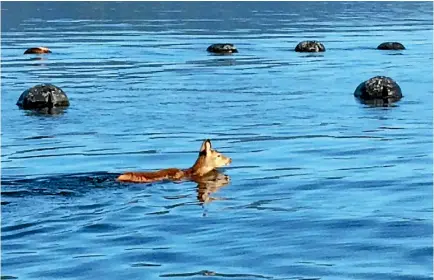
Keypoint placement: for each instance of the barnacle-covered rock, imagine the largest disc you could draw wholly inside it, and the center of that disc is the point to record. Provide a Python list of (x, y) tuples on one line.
[(378, 90), (43, 96), (310, 46), (391, 46), (37, 50), (222, 48)]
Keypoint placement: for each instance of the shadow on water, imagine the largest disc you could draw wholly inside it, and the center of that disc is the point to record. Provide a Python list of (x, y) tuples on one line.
[(61, 185), (214, 62)]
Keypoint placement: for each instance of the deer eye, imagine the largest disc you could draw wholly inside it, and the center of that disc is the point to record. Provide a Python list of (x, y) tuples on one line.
[(218, 155)]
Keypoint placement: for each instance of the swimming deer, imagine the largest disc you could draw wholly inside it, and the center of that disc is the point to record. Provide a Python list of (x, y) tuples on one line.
[(207, 161)]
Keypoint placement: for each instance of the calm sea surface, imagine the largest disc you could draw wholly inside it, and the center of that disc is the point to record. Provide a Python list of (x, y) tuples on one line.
[(321, 186)]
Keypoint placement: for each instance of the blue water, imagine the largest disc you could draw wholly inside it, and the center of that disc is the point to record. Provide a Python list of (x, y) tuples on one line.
[(321, 186)]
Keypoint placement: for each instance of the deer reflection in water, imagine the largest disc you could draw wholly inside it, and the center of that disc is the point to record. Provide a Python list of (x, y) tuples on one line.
[(209, 184)]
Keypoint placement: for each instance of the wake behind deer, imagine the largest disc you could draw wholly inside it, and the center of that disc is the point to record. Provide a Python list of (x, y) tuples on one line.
[(207, 161)]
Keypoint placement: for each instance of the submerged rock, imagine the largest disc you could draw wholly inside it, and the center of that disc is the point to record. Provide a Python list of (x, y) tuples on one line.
[(43, 96), (222, 48), (310, 46), (379, 90), (391, 46), (38, 50)]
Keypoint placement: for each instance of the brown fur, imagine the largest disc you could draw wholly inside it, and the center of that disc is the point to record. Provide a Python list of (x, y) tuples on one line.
[(38, 50), (145, 177), (207, 161)]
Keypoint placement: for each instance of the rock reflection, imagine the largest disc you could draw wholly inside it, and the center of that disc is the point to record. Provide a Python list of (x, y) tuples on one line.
[(54, 111), (379, 102)]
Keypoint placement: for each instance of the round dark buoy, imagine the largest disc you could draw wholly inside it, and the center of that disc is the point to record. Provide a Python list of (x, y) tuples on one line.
[(310, 46), (222, 48), (42, 96), (391, 46), (378, 90), (38, 50)]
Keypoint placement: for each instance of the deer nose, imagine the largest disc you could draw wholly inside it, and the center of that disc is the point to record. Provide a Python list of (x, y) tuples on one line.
[(230, 160)]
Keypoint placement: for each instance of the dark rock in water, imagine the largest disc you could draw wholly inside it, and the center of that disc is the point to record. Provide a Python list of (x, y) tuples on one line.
[(310, 46), (38, 50), (378, 90), (391, 46), (222, 48), (43, 96)]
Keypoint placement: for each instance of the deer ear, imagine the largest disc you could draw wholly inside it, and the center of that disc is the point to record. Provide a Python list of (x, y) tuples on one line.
[(206, 146)]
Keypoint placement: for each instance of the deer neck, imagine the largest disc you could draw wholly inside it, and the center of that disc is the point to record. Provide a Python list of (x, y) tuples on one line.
[(199, 168)]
